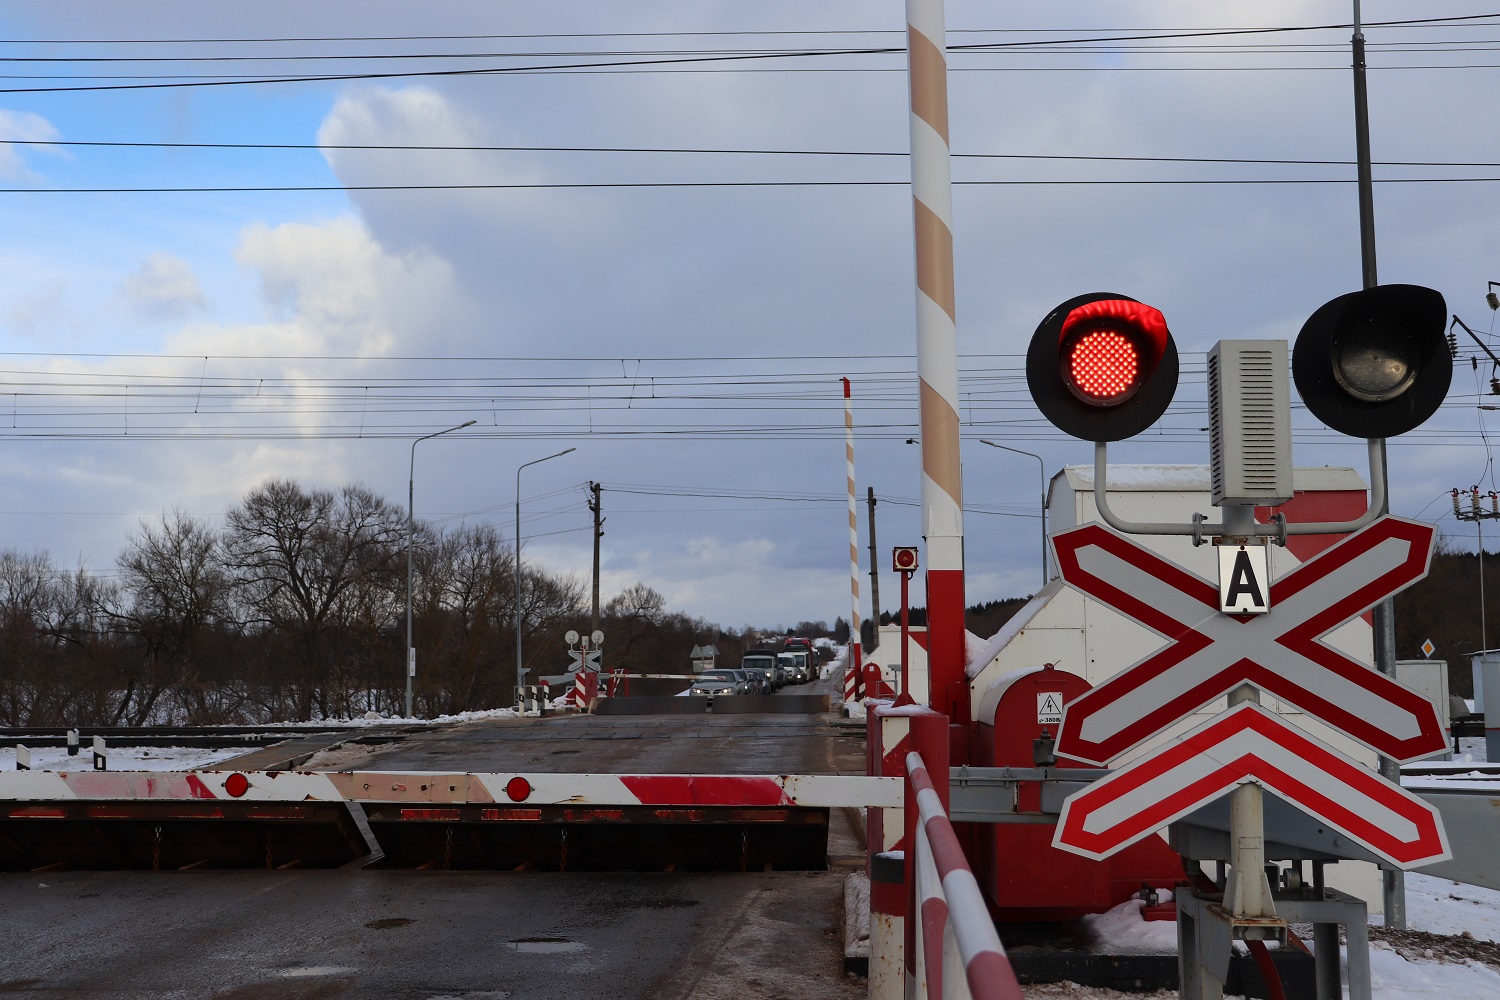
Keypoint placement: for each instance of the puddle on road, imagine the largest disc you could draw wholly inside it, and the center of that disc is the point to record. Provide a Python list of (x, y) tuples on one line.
[(547, 945), (317, 970), (386, 923)]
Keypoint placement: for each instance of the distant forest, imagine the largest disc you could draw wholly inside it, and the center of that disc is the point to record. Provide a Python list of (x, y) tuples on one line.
[(296, 610)]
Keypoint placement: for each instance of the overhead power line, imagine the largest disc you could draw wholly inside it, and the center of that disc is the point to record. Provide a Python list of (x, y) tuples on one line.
[(666, 185), (1411, 22), (711, 151), (716, 58)]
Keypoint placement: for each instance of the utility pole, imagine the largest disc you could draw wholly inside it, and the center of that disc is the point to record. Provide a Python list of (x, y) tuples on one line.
[(595, 505), (1383, 616), (874, 570)]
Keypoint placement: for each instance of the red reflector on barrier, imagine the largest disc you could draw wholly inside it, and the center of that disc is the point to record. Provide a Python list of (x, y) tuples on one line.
[(440, 815), (518, 789), (36, 812), (236, 785), (505, 815)]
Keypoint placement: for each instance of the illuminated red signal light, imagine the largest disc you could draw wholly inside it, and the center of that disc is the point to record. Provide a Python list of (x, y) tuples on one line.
[(1102, 367)]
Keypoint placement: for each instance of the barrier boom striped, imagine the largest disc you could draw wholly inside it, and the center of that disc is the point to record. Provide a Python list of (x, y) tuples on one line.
[(734, 790)]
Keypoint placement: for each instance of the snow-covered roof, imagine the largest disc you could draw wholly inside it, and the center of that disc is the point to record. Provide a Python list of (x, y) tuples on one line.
[(1195, 478), (982, 651)]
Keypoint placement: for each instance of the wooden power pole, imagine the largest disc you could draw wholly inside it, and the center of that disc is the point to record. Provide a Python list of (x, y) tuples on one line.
[(594, 505)]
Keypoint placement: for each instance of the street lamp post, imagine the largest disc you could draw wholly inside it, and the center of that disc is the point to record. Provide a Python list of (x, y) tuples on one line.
[(411, 489), (520, 670), (1042, 469)]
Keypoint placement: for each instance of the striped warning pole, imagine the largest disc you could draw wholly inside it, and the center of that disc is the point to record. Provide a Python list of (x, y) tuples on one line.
[(851, 663), (937, 357)]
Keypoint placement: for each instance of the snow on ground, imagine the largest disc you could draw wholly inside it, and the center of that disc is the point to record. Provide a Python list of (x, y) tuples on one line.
[(123, 758), (1435, 960), (1393, 977), (1441, 906)]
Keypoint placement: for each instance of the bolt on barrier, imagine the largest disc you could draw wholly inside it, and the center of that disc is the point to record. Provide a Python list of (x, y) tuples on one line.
[(959, 954)]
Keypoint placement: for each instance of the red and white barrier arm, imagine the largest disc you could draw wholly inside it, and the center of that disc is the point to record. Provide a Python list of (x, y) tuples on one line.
[(735, 790), (986, 967)]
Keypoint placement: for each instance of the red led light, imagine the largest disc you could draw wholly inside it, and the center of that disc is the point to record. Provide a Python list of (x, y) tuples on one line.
[(1103, 365)]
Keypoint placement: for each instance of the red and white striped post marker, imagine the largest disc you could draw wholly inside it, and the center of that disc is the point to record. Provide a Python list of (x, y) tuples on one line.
[(854, 624), (887, 742), (927, 745), (937, 357), (955, 901), (887, 976)]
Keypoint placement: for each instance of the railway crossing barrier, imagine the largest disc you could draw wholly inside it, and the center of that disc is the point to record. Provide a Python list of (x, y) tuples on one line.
[(542, 821), (933, 937), (959, 945)]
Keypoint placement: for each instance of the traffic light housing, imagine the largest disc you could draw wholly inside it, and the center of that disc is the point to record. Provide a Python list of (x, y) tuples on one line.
[(1375, 363), (1102, 367)]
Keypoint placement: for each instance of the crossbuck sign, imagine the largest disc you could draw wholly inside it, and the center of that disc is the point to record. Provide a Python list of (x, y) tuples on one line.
[(1208, 654)]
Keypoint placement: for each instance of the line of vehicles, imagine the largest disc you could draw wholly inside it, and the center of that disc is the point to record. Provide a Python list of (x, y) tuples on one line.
[(763, 671)]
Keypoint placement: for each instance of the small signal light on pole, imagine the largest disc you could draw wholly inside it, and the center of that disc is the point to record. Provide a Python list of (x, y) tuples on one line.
[(1375, 363), (1102, 367), (904, 558)]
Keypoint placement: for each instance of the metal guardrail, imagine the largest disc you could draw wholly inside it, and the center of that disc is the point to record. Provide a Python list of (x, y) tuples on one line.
[(948, 897)]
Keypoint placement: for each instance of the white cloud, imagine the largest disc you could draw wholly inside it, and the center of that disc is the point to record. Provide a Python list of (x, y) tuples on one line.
[(27, 127), (329, 288), (163, 286)]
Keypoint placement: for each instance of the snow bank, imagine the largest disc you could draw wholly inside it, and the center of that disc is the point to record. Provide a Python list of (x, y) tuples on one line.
[(124, 758)]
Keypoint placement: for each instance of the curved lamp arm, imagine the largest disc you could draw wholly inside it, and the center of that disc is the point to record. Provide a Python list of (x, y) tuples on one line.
[(1279, 529)]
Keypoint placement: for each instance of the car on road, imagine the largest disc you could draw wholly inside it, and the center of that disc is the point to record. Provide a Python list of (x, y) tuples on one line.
[(760, 680), (793, 673), (713, 682), (764, 660), (804, 665)]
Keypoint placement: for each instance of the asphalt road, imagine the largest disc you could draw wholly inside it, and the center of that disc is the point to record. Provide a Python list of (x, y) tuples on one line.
[(427, 935), (414, 935)]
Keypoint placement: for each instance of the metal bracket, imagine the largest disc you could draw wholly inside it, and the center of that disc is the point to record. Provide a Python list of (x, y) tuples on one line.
[(1200, 531)]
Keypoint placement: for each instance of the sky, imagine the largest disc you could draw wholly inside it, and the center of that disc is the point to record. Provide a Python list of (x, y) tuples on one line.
[(669, 267)]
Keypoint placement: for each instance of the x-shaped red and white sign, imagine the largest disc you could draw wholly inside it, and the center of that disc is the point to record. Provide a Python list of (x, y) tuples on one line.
[(1281, 652)]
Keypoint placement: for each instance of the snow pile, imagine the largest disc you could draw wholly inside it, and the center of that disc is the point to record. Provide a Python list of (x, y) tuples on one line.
[(124, 758), (1121, 931)]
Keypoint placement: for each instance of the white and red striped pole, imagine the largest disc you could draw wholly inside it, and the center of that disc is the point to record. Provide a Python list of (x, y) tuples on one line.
[(955, 902), (937, 358), (852, 664)]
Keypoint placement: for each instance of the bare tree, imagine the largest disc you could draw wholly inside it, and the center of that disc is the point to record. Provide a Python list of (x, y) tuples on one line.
[(307, 564), (26, 581), (464, 606), (175, 600)]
